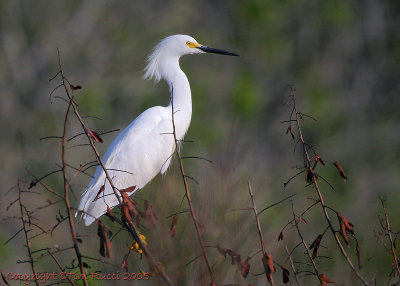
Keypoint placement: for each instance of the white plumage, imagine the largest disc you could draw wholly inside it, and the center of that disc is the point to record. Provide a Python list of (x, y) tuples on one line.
[(145, 147)]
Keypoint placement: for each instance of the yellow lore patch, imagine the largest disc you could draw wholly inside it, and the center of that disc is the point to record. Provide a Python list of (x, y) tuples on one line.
[(192, 45)]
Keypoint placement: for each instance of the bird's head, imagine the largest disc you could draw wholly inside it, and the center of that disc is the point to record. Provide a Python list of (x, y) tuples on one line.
[(173, 47)]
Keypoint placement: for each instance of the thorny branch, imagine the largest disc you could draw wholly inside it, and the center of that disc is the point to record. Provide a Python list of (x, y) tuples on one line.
[(27, 239), (392, 242), (269, 276), (292, 265), (66, 198), (296, 224), (60, 266), (188, 197), (309, 168)]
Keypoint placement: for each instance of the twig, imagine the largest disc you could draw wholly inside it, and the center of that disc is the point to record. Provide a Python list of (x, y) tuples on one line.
[(186, 186), (50, 190), (274, 204), (60, 266), (259, 229), (303, 242), (8, 240), (307, 164), (389, 233), (66, 197), (197, 157), (292, 265), (27, 239)]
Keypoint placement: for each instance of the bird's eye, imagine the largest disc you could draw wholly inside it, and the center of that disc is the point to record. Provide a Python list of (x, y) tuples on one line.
[(188, 43)]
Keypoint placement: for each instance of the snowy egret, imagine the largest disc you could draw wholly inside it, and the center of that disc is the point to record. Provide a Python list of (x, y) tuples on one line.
[(145, 147)]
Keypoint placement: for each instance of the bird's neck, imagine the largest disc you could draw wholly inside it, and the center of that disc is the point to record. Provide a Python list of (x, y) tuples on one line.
[(181, 98)]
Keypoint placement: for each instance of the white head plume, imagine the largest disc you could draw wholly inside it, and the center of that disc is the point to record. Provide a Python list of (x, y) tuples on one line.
[(172, 46)]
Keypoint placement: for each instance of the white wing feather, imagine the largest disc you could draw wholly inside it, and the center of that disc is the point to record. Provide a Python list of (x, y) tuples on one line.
[(147, 145)]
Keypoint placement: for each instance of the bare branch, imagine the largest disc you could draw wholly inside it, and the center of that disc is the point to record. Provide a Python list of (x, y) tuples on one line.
[(27, 238), (186, 186), (392, 244)]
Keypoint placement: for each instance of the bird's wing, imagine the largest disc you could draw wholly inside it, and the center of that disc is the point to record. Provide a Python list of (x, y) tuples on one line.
[(136, 156)]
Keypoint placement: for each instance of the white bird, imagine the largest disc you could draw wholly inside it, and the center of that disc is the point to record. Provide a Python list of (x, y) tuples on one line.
[(145, 147)]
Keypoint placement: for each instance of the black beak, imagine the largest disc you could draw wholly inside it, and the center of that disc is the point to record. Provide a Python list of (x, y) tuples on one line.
[(216, 51)]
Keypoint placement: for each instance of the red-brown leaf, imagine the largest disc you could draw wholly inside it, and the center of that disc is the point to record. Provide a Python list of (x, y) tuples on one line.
[(124, 264), (309, 176), (289, 129), (324, 278), (99, 193), (302, 220), (281, 236), (341, 171), (126, 205), (315, 245), (128, 190), (110, 213), (285, 275), (105, 243), (269, 267), (315, 252), (349, 225), (149, 213), (317, 157), (245, 268), (130, 205), (316, 242), (343, 232), (108, 247), (173, 225), (94, 135), (75, 87), (172, 231), (345, 227)]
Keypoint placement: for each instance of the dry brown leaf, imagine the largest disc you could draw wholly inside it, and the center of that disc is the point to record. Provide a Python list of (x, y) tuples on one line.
[(317, 157), (99, 193), (269, 267), (75, 87), (124, 263), (315, 245), (173, 225), (109, 211), (245, 268), (345, 227), (324, 279), (94, 135), (128, 190), (285, 275), (289, 129), (105, 244), (309, 176), (302, 220), (341, 171), (149, 213)]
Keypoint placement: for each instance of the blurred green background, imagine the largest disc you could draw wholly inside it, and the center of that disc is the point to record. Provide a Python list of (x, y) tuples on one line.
[(343, 57)]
